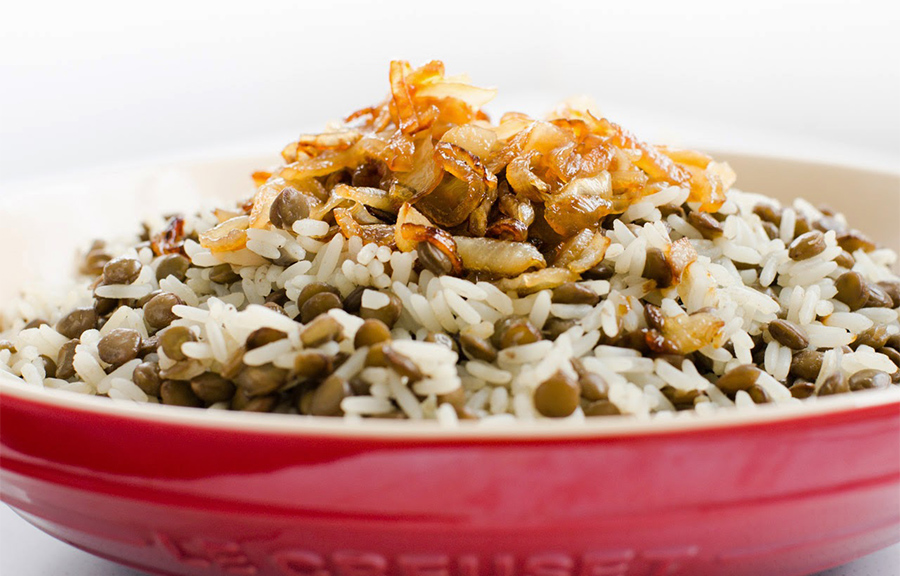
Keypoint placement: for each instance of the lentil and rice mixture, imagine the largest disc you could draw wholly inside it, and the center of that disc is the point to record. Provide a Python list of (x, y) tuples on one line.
[(418, 261)]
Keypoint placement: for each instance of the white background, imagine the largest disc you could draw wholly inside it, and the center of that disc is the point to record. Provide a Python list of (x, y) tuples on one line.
[(85, 85)]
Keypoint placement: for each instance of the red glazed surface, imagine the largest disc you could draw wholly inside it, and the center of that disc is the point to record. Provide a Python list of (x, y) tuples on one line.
[(773, 494), (782, 491)]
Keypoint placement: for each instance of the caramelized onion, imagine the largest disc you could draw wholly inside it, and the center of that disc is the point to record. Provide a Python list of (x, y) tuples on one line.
[(532, 282), (381, 234), (408, 215), (679, 255), (425, 172), (374, 197), (504, 190), (438, 238), (582, 251), (581, 204), (498, 257), (451, 202), (228, 236), (691, 333)]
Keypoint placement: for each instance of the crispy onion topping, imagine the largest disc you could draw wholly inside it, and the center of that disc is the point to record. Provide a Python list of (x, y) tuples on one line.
[(501, 200)]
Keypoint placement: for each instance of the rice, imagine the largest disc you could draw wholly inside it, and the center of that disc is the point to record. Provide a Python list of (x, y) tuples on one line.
[(639, 312)]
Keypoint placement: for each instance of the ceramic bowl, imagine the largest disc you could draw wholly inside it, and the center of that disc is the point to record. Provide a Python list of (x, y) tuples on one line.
[(781, 490)]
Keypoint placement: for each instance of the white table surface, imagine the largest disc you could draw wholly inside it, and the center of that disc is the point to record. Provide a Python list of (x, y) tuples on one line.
[(26, 551)]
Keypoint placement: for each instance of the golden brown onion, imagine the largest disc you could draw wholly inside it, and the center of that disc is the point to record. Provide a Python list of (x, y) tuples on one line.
[(498, 257), (532, 282), (228, 236)]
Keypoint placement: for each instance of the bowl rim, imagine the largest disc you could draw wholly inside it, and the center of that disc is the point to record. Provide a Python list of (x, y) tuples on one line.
[(13, 388)]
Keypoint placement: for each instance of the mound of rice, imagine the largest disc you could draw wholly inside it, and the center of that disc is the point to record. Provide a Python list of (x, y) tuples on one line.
[(369, 297)]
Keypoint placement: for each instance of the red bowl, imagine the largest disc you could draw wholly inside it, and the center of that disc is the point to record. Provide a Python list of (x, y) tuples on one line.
[(779, 490), (182, 491)]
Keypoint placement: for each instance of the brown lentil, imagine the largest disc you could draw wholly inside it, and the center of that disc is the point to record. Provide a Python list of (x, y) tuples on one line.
[(432, 259), (353, 301), (49, 366), (788, 334), (894, 342), (852, 290), (388, 314), (401, 364), (593, 387), (172, 265), (768, 213), (122, 271), (36, 323), (318, 304), (572, 293), (234, 364), (802, 389), (602, 271), (178, 393), (875, 337), (223, 274), (442, 339), (892, 354), (7, 345), (807, 364), (758, 394), (212, 388), (288, 207), (326, 399), (148, 346), (261, 380), (892, 289), (705, 224), (802, 226), (657, 268), (476, 348), (741, 378), (314, 289), (262, 336), (554, 327), (171, 340), (119, 346), (311, 364), (845, 260), (321, 330), (834, 384), (854, 240), (516, 332), (681, 399), (276, 308), (140, 303), (375, 357), (557, 397), (77, 322), (104, 306), (183, 370), (146, 376), (158, 311), (807, 245), (245, 403), (65, 360), (869, 379), (601, 408), (771, 230), (878, 297), (371, 332)]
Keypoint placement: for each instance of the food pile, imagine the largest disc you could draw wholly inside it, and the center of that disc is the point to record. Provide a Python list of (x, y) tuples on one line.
[(419, 261)]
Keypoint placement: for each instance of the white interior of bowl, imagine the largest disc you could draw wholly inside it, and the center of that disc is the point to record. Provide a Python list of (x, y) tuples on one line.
[(43, 225)]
